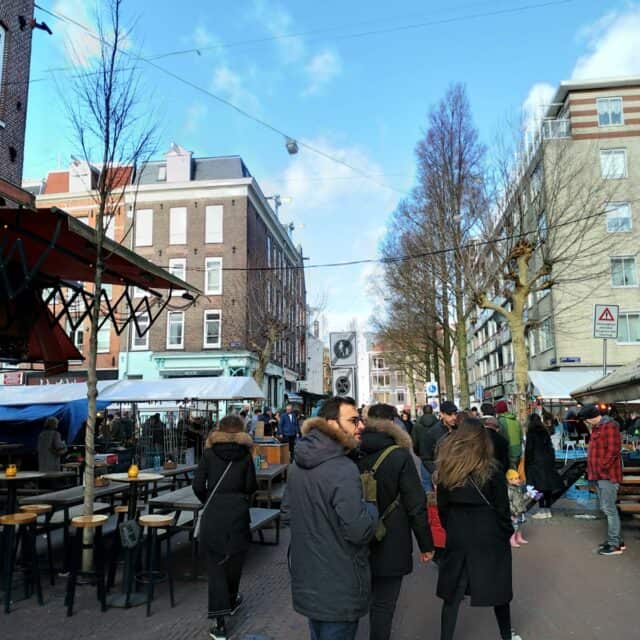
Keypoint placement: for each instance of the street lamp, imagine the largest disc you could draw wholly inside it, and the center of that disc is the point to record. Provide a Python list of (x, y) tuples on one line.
[(292, 146)]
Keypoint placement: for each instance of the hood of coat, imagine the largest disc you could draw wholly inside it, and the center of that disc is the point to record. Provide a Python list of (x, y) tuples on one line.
[(230, 446), (427, 419), (508, 414), (320, 442), (380, 434)]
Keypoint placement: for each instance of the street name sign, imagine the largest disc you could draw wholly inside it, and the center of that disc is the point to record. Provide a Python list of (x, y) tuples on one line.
[(605, 321)]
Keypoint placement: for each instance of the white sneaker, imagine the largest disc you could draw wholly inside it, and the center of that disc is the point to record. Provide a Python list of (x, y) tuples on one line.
[(540, 515)]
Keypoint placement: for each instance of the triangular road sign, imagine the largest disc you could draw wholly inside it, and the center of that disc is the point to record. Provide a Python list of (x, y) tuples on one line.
[(606, 316)]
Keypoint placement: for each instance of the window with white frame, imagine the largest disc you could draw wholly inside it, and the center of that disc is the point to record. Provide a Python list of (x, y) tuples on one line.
[(104, 337), (144, 227), (623, 272), (532, 342), (400, 378), (138, 292), (3, 41), (212, 328), (140, 333), (546, 335), (108, 291), (213, 223), (178, 225), (613, 163), (400, 396), (618, 217), (178, 268), (382, 379), (629, 327), (378, 363), (175, 330), (76, 336), (213, 276), (610, 112)]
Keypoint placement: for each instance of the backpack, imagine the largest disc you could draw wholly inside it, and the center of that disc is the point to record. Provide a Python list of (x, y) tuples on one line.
[(370, 492)]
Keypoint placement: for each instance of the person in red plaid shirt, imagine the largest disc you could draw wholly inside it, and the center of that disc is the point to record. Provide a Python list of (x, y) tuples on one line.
[(604, 466)]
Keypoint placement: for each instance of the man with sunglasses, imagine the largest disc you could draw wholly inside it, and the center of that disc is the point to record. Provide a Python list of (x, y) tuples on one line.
[(331, 524)]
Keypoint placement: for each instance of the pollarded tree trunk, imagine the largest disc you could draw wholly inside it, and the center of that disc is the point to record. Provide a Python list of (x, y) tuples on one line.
[(517, 326)]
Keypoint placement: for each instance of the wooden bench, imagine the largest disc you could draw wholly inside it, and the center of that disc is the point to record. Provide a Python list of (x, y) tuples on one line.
[(629, 507), (262, 519)]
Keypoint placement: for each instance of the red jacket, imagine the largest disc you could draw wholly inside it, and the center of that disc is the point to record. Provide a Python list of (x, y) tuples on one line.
[(604, 461)]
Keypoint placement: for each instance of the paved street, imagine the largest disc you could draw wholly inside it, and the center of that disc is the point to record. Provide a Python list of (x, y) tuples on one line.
[(563, 591)]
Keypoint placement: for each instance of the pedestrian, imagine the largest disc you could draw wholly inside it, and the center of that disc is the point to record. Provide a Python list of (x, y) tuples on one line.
[(331, 524), (474, 509), (418, 437), (442, 428), (500, 444), (402, 504), (511, 430), (474, 413), (518, 505), (405, 417), (289, 428), (51, 447), (226, 468), (604, 467), (540, 464)]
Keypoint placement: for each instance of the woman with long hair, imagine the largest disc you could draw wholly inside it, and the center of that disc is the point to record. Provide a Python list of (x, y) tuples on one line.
[(474, 510), (226, 468)]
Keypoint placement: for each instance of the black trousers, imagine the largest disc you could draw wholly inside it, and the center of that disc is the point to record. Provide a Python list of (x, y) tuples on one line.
[(545, 501), (224, 581), (292, 443), (384, 597), (449, 615)]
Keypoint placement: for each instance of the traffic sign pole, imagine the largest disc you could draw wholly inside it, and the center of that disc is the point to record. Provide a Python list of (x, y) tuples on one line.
[(604, 357)]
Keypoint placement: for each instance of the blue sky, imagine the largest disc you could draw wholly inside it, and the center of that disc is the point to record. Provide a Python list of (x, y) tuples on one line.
[(358, 85)]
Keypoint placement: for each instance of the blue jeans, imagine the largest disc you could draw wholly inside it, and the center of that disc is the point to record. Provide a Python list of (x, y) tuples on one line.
[(607, 495), (425, 476), (321, 630)]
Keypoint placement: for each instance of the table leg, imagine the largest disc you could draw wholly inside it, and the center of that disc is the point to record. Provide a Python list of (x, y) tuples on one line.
[(133, 500), (11, 497), (269, 492)]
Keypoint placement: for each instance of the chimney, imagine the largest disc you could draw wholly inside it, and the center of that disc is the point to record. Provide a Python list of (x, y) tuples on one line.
[(178, 164)]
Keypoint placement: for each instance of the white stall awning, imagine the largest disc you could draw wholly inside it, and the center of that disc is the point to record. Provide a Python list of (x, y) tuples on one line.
[(620, 385), (49, 393), (558, 385)]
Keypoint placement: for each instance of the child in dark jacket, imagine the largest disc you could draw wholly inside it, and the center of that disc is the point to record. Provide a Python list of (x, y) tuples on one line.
[(518, 505)]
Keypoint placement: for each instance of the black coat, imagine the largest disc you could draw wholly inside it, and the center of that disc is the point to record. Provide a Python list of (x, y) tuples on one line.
[(419, 432), (226, 521), (430, 444), (477, 542), (500, 449), (540, 461), (397, 475)]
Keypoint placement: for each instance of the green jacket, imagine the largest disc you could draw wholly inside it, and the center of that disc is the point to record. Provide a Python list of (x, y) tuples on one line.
[(510, 429)]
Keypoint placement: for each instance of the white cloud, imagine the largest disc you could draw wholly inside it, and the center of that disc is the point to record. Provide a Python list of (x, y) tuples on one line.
[(535, 105), (612, 46), (194, 116), (79, 46), (321, 69), (280, 24), (202, 37), (231, 85)]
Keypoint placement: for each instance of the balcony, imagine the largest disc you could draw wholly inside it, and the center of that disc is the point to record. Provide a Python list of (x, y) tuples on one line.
[(560, 128)]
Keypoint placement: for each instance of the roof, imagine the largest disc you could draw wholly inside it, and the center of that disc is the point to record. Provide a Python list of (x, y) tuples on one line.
[(221, 168), (200, 388), (617, 386), (59, 247), (557, 385)]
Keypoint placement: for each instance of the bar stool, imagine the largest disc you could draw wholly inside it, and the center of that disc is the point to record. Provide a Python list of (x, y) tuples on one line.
[(94, 522), (155, 522), (121, 511), (43, 527), (20, 528)]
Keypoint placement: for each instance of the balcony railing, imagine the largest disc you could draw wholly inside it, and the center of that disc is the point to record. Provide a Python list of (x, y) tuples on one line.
[(560, 128)]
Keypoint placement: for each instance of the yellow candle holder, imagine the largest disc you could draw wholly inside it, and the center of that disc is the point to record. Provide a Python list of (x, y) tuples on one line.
[(11, 471), (133, 471)]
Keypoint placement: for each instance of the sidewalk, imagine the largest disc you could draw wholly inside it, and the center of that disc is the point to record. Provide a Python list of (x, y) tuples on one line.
[(563, 590)]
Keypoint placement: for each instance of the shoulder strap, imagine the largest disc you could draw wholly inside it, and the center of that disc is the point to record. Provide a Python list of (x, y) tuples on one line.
[(382, 457), (473, 482)]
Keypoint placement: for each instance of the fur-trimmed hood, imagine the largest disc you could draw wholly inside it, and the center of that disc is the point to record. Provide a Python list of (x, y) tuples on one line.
[(388, 428), (320, 442), (222, 437)]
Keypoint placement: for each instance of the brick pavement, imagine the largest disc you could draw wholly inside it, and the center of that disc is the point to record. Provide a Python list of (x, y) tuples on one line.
[(563, 591)]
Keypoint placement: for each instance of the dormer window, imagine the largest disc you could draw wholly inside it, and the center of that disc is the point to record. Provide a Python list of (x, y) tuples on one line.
[(162, 173)]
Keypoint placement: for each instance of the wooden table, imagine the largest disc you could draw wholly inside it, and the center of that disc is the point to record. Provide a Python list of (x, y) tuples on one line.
[(141, 479), (12, 486), (630, 470), (630, 479), (268, 475)]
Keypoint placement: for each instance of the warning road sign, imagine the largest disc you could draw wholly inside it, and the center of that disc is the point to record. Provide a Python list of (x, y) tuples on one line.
[(605, 321)]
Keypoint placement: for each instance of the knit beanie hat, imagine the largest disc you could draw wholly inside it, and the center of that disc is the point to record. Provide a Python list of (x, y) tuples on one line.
[(512, 474), (501, 407)]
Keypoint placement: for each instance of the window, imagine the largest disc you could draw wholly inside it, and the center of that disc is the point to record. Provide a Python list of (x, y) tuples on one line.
[(400, 378), (268, 251), (382, 379), (138, 292), (144, 228), (629, 328), (400, 396), (378, 363), (542, 226), (175, 330), (213, 224), (212, 329), (178, 225), (77, 336), (3, 39), (104, 337), (213, 276), (610, 112), (178, 268), (162, 173), (546, 335), (140, 342), (107, 289), (613, 163), (110, 227), (618, 217), (623, 272), (532, 342)]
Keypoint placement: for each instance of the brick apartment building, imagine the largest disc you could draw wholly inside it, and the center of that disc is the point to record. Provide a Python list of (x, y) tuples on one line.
[(207, 221), (15, 60)]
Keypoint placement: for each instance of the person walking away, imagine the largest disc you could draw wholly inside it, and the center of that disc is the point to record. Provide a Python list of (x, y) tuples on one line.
[(420, 428), (289, 429), (474, 509), (500, 444), (442, 428), (518, 506), (604, 467), (540, 464), (331, 524), (510, 429), (51, 447), (227, 467), (401, 502)]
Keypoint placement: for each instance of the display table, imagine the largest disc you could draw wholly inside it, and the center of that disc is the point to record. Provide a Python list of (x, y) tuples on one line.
[(277, 453)]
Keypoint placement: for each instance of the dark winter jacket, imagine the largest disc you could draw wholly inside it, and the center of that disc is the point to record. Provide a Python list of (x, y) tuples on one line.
[(540, 461), (226, 521), (331, 527), (477, 542), (420, 428), (500, 449), (397, 475), (431, 440)]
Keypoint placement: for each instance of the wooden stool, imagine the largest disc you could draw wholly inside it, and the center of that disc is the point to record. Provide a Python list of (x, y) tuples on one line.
[(45, 510), (154, 522), (20, 527), (80, 523), (121, 512)]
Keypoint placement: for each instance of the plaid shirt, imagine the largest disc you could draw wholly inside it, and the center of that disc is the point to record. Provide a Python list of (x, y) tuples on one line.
[(604, 461)]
